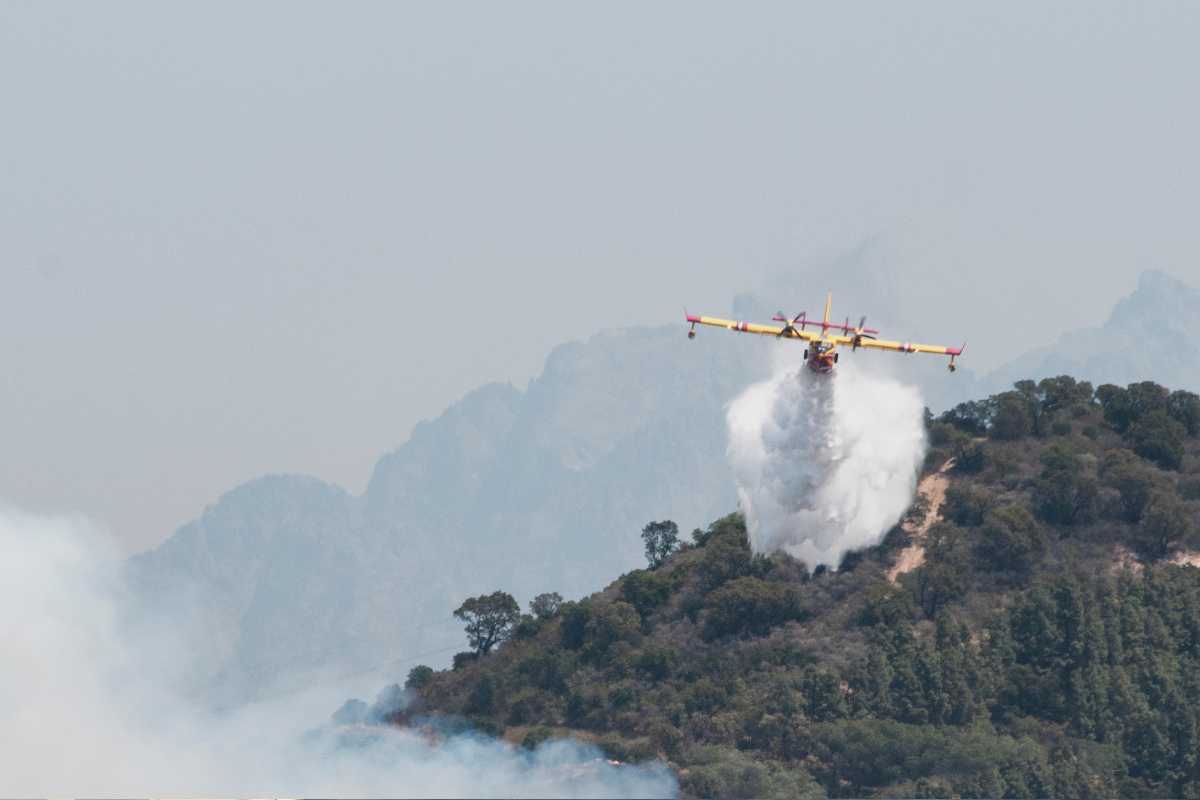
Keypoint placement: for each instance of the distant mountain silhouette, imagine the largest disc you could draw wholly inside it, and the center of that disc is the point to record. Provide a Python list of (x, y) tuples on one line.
[(541, 490), (1153, 334), (545, 489)]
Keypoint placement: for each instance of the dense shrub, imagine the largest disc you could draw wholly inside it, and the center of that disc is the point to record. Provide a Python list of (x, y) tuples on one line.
[(525, 706), (966, 503), (608, 624), (527, 627), (573, 630), (971, 763), (645, 590), (1184, 408), (750, 605), (1010, 539), (546, 669), (1189, 488), (887, 604), (418, 677), (1133, 479), (482, 698), (1159, 438), (725, 773), (726, 556), (546, 605), (1011, 420), (656, 662), (972, 417), (970, 456), (1124, 407), (943, 577), (1167, 522), (1065, 493), (536, 737)]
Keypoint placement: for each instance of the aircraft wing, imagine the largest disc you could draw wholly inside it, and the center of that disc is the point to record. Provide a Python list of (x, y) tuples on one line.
[(899, 347), (753, 327)]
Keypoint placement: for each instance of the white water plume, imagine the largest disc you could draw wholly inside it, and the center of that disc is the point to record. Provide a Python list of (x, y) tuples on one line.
[(824, 464), (90, 707)]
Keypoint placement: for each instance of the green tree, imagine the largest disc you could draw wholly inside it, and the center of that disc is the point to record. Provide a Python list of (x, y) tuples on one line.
[(418, 677), (1028, 390), (1159, 438), (1184, 408), (608, 624), (489, 618), (750, 605), (1133, 480), (1010, 539), (726, 556), (464, 659), (545, 669), (943, 576), (887, 604), (1064, 493), (972, 417), (966, 503), (482, 698), (823, 695), (1063, 393), (575, 617), (657, 662), (545, 606), (661, 539), (1012, 419), (970, 456), (1118, 409), (1124, 407), (645, 590), (1167, 522)]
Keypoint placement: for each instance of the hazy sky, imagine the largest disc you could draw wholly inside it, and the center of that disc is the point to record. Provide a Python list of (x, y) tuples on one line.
[(238, 239)]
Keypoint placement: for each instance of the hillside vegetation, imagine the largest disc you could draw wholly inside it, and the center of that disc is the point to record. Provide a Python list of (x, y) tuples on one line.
[(1045, 643)]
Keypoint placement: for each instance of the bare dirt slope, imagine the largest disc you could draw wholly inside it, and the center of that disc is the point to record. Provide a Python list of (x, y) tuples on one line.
[(1126, 559), (933, 489), (1188, 558)]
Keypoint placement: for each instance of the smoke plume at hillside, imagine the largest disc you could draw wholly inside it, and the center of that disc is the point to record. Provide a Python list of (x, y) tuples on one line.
[(824, 464), (89, 706)]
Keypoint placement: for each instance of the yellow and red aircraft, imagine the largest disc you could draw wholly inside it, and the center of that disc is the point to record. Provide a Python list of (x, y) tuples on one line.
[(821, 353)]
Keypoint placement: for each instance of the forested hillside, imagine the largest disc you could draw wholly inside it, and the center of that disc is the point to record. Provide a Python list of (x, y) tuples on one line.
[(1040, 637)]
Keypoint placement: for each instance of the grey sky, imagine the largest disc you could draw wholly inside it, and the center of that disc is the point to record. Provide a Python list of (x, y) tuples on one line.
[(240, 239)]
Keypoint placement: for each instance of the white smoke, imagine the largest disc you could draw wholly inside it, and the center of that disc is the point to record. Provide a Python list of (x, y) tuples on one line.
[(88, 707), (824, 464)]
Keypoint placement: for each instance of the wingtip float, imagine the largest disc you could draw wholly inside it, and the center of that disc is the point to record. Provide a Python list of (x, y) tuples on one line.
[(821, 352)]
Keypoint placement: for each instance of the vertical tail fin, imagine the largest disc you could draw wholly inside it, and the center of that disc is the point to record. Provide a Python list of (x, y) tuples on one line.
[(828, 308)]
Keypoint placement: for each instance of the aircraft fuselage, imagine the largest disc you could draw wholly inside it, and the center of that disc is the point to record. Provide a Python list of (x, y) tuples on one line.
[(820, 358)]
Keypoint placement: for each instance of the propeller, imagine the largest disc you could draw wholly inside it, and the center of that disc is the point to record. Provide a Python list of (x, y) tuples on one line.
[(789, 326), (859, 335)]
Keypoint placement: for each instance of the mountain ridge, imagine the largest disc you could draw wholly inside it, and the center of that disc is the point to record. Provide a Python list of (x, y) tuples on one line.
[(534, 489), (1151, 334), (505, 486)]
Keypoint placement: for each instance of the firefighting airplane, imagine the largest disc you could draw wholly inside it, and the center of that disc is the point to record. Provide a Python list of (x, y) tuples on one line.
[(821, 353)]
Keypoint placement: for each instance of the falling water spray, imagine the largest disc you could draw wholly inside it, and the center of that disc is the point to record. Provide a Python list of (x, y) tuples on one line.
[(824, 464)]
